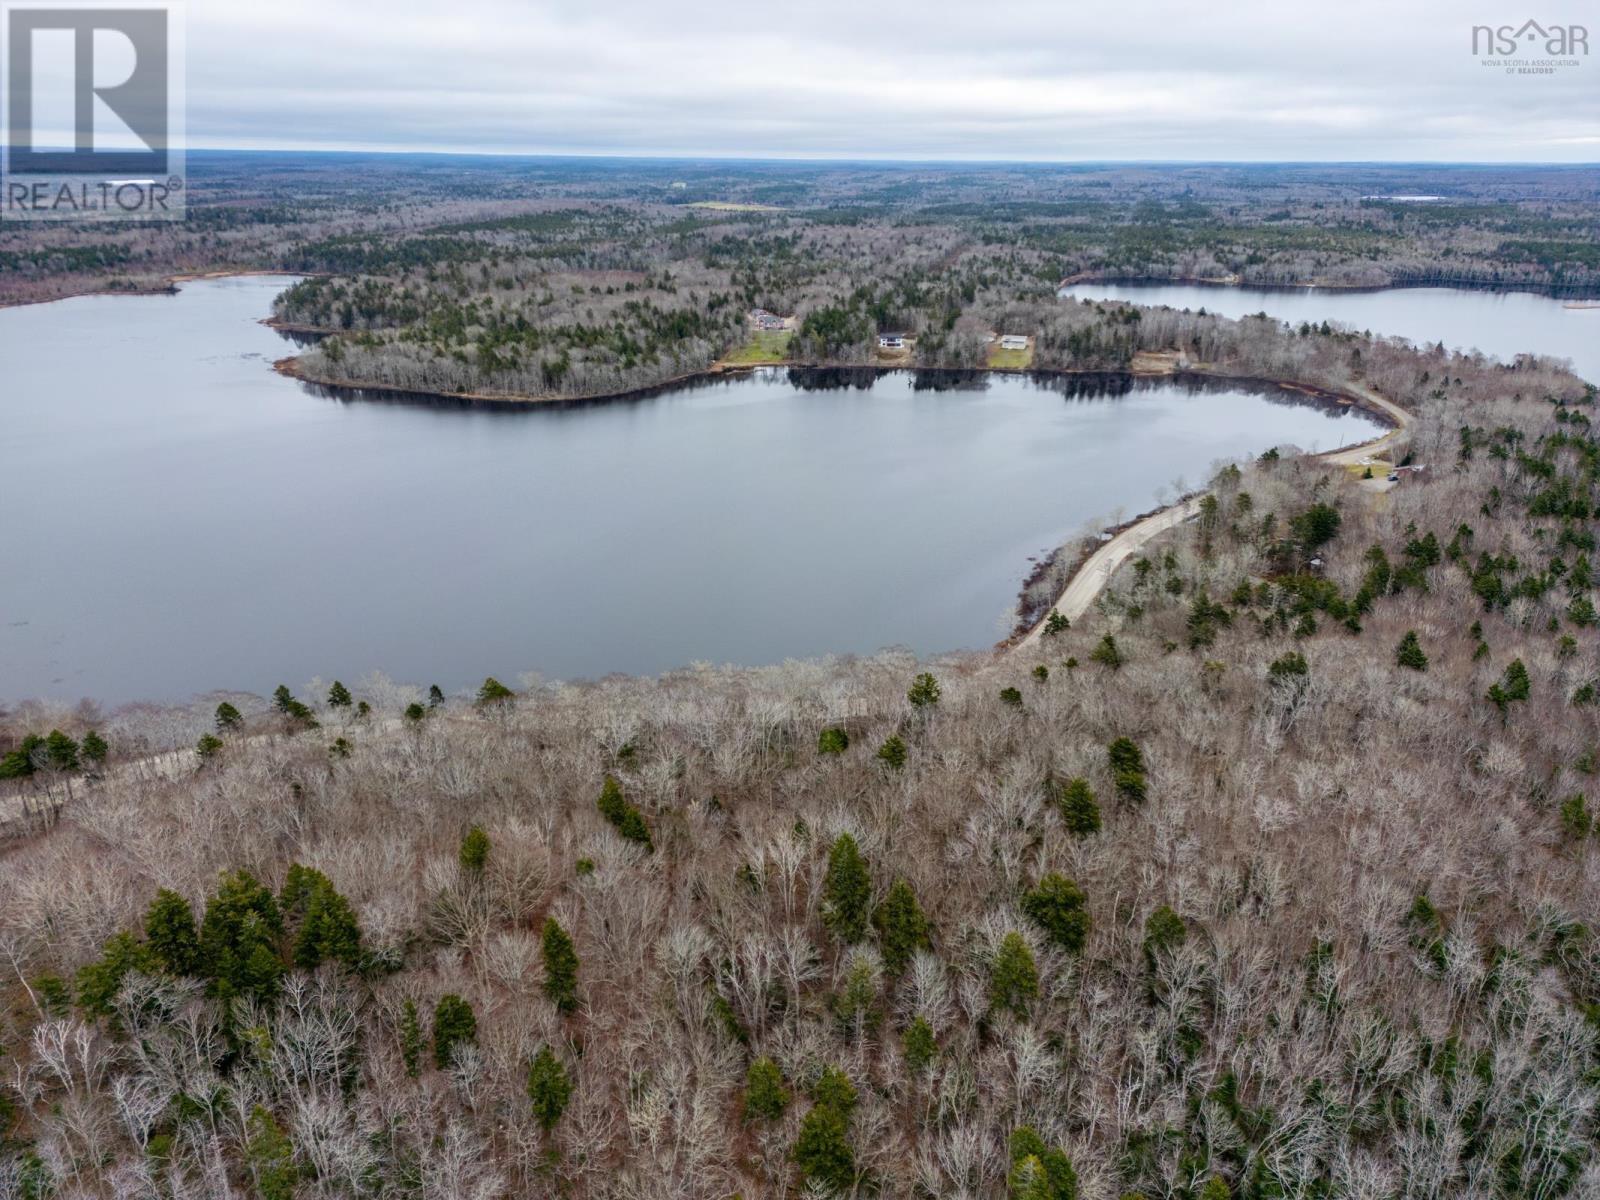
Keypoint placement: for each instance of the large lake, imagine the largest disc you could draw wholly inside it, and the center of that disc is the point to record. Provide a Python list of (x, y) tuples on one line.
[(178, 518), (1502, 324)]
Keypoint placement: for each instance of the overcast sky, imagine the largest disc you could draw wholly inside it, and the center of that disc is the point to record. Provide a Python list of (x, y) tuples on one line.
[(1012, 79)]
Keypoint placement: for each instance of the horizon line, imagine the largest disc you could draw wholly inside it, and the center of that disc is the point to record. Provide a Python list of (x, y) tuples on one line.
[(879, 160)]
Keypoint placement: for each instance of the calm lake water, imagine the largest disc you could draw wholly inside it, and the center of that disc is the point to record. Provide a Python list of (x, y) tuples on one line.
[(179, 519), (1502, 324)]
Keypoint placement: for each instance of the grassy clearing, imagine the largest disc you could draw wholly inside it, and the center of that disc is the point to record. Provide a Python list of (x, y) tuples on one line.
[(1010, 360), (1380, 469), (1155, 362), (731, 206), (767, 345)]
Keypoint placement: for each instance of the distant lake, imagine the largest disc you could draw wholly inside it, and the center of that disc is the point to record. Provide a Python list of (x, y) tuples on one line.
[(178, 518), (1502, 324)]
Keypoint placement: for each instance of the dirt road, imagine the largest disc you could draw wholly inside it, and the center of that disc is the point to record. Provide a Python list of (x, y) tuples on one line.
[(1092, 577)]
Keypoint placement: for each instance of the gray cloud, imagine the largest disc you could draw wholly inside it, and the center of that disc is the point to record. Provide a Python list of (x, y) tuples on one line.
[(1008, 80)]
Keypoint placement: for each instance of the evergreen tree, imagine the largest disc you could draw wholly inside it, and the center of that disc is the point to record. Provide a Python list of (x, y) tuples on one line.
[(283, 700), (918, 1044), (823, 1152), (764, 1095), (492, 691), (60, 752), (435, 696), (549, 1088), (209, 746), (632, 827), (1163, 930), (94, 748), (560, 967), (1038, 1171), (1514, 686), (611, 804), (100, 981), (1056, 622), (624, 817), (847, 891), (228, 717), (902, 927), (411, 1039), (299, 885), (728, 1017), (23, 761), (1127, 769), (1080, 811), (1409, 653), (1124, 755), (339, 696), (1290, 669), (321, 924), (1057, 906), (833, 1088), (453, 1025), (1027, 1179), (54, 998), (1315, 527), (1576, 820), (474, 852), (171, 933), (271, 1157), (239, 936), (893, 752), (1206, 617), (924, 691), (1107, 654), (833, 740), (1014, 979), (854, 1004)]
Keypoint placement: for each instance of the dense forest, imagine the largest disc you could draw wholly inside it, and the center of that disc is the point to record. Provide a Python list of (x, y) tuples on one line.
[(562, 278), (1275, 875)]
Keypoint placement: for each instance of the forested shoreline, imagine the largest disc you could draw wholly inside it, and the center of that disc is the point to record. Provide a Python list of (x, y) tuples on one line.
[(1274, 875), (549, 278)]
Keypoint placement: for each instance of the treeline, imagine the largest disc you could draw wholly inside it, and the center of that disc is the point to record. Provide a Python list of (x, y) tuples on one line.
[(832, 226), (584, 303)]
